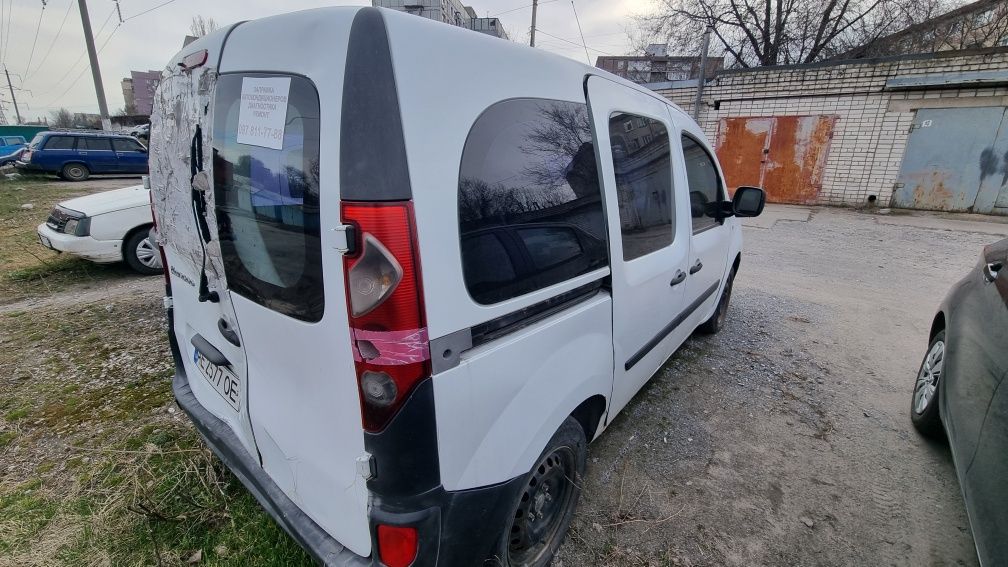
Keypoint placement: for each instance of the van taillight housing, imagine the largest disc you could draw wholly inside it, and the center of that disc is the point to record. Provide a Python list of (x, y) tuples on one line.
[(388, 327)]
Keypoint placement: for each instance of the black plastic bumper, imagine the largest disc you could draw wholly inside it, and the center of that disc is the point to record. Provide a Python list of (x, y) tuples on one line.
[(228, 448)]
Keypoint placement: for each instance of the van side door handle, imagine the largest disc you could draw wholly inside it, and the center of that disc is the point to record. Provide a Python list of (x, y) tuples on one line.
[(209, 351), (696, 267), (680, 276), (227, 332)]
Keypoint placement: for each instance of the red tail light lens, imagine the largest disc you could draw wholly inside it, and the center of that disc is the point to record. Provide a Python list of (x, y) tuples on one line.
[(397, 545), (385, 302)]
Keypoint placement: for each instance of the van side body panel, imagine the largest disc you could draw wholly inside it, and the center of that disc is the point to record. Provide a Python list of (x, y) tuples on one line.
[(498, 408)]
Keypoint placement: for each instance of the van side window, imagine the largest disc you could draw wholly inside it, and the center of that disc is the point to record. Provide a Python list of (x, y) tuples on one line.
[(530, 206), (59, 143), (704, 185), (267, 204), (641, 160)]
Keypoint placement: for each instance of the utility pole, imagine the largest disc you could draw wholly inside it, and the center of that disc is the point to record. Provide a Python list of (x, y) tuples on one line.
[(95, 71), (11, 87), (535, 8), (703, 72)]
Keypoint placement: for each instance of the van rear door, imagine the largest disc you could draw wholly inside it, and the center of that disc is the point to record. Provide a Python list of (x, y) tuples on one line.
[(288, 295)]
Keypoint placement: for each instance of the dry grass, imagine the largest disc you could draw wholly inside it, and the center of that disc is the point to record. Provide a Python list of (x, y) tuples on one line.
[(100, 467)]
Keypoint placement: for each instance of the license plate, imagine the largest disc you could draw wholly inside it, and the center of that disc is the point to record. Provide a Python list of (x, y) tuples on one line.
[(45, 241), (227, 384)]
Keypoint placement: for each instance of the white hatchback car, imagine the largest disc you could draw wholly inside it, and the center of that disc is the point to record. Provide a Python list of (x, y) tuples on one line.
[(112, 226)]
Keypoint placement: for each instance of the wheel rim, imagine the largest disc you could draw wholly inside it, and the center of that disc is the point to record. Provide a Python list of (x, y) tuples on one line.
[(542, 507), (927, 378), (147, 256), (74, 172)]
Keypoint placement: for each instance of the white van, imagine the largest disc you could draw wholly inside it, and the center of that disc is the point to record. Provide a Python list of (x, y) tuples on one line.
[(413, 270)]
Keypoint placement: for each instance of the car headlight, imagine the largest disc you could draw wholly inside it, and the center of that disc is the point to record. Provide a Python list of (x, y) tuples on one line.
[(78, 227)]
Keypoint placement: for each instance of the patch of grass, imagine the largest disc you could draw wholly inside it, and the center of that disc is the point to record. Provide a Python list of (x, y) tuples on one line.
[(102, 472), (6, 437)]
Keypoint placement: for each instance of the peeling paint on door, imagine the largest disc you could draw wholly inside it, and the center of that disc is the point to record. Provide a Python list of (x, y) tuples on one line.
[(956, 159), (785, 155)]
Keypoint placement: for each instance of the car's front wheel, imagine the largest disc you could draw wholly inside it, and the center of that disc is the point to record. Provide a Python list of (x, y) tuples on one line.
[(717, 320), (141, 254), (545, 507), (75, 172), (924, 402)]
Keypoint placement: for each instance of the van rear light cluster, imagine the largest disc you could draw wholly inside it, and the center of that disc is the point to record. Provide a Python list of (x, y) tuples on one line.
[(397, 545), (385, 302)]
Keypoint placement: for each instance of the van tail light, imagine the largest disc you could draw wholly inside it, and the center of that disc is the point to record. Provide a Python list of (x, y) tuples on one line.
[(397, 545), (388, 325), (26, 156), (164, 260)]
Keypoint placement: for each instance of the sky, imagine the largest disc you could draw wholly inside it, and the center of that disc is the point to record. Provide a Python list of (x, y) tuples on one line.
[(55, 72)]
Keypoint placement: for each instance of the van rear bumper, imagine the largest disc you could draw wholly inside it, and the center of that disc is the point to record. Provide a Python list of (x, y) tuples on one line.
[(225, 444)]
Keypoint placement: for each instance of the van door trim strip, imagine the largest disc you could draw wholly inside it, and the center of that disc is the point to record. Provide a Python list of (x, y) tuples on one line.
[(670, 327)]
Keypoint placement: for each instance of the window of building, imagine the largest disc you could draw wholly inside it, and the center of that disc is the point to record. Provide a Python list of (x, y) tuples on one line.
[(643, 188), (60, 143), (705, 187), (530, 205)]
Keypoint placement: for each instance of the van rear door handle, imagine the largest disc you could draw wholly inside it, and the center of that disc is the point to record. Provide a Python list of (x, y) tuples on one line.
[(680, 276), (227, 332), (696, 267), (209, 351)]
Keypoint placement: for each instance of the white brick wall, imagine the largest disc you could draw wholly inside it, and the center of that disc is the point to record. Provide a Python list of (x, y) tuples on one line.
[(869, 138)]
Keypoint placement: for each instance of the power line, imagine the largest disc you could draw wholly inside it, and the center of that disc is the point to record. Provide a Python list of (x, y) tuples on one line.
[(73, 65), (51, 44), (573, 42), (147, 11), (81, 74), (521, 8), (38, 26), (7, 34), (578, 20)]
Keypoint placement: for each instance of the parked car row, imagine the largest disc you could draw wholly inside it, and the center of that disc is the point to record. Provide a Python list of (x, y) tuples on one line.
[(75, 156)]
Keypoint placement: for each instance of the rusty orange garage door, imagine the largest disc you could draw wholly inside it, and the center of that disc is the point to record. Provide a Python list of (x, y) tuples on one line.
[(783, 154)]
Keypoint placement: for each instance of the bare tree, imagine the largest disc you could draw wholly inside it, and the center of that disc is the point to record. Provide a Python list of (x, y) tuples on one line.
[(753, 33), (201, 26), (61, 118)]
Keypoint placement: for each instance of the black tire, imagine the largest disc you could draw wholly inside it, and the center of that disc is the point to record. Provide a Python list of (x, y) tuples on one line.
[(927, 420), (543, 510), (140, 262), (717, 320), (75, 172)]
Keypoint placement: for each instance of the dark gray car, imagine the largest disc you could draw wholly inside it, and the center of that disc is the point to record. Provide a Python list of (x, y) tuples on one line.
[(959, 392)]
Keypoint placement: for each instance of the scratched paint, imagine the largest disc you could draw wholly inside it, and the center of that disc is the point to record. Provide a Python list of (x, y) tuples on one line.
[(785, 155)]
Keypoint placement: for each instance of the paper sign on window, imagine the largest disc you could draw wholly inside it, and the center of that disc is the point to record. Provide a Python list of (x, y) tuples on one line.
[(263, 112)]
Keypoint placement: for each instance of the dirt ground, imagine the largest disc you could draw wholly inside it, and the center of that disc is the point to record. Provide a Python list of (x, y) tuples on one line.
[(785, 439)]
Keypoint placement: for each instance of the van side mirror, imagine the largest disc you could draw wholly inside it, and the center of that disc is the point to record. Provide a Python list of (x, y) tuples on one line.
[(748, 201)]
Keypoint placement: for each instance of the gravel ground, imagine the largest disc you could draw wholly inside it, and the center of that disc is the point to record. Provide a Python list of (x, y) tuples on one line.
[(785, 439)]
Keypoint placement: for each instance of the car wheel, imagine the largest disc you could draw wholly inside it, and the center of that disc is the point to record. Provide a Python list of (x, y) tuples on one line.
[(141, 254), (924, 401), (545, 506), (75, 172), (717, 320)]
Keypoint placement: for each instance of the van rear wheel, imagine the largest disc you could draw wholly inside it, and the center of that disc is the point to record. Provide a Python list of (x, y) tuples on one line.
[(75, 172), (545, 507)]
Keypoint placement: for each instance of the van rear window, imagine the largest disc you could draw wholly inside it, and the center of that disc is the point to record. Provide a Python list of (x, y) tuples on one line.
[(267, 196)]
